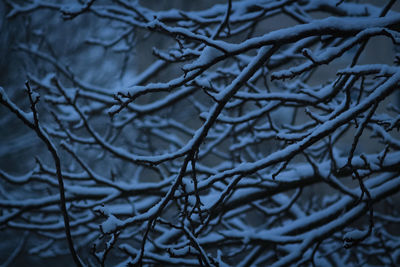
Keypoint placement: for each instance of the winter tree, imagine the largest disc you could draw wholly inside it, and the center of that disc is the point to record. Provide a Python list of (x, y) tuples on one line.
[(236, 133)]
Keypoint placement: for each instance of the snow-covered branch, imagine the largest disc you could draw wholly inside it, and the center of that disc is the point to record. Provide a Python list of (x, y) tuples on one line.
[(246, 133)]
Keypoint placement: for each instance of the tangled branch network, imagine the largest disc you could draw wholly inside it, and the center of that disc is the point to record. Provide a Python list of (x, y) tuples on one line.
[(244, 133)]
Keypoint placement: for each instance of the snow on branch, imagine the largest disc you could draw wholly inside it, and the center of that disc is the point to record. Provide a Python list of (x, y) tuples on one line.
[(238, 134)]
